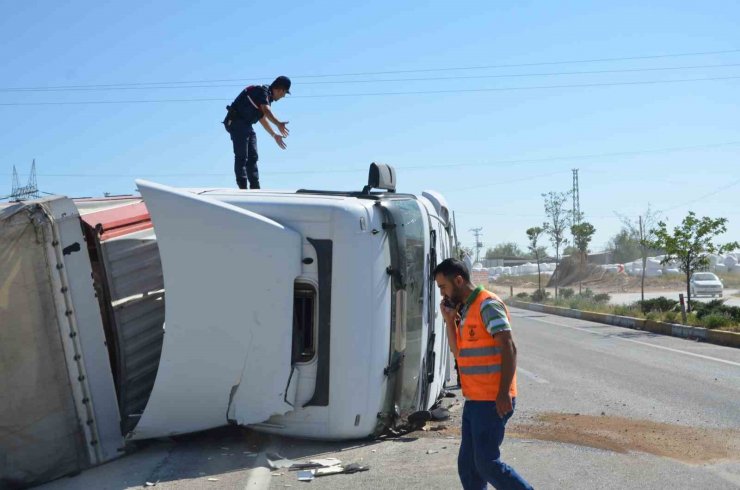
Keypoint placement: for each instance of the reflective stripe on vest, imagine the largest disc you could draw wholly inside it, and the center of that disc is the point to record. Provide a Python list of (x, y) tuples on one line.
[(479, 351), (485, 369), (479, 354)]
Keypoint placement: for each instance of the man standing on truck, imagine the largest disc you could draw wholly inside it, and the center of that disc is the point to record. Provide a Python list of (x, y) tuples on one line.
[(250, 106), (479, 334)]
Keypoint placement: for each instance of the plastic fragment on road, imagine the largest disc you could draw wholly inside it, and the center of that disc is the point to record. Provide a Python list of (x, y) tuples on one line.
[(305, 475), (213, 479), (341, 469), (277, 462), (326, 461)]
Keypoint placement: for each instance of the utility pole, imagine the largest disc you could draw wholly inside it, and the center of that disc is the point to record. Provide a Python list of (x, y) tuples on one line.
[(576, 199), (644, 261), (478, 243)]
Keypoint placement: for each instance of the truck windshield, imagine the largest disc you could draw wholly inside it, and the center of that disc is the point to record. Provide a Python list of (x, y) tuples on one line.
[(407, 303)]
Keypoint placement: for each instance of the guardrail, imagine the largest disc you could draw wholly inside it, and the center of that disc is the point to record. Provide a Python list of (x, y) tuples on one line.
[(719, 337)]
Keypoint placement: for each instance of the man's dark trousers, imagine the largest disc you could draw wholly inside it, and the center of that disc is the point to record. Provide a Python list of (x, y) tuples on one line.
[(245, 154), (479, 460)]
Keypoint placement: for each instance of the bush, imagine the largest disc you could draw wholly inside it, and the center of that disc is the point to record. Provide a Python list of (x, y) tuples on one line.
[(716, 307), (566, 293), (622, 310), (540, 295), (587, 293), (652, 315), (716, 320), (602, 298), (661, 304), (523, 295)]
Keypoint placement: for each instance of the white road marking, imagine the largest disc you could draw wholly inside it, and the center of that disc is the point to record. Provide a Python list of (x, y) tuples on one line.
[(531, 375), (724, 361)]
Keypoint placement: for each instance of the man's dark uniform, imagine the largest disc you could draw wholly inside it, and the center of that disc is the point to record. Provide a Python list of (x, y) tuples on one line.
[(243, 113)]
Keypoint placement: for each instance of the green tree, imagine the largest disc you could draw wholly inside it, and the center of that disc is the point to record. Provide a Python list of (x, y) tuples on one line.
[(506, 249), (624, 246), (541, 251), (558, 218), (536, 251), (463, 251), (570, 250), (691, 243), (582, 234)]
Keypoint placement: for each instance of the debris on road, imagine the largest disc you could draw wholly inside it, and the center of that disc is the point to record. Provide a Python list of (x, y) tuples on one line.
[(326, 461), (337, 469), (277, 462), (305, 475), (440, 413)]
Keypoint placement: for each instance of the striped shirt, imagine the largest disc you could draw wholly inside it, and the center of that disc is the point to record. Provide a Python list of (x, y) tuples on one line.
[(492, 312)]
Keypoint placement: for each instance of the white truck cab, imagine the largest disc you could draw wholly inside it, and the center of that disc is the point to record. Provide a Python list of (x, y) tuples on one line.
[(310, 313)]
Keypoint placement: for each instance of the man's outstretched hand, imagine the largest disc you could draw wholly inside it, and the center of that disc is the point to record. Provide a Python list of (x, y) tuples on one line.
[(282, 127), (279, 141)]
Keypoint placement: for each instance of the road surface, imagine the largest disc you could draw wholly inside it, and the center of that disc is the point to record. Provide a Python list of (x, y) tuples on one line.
[(599, 407)]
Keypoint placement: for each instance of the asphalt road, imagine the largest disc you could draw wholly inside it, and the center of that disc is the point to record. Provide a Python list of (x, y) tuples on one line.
[(599, 407)]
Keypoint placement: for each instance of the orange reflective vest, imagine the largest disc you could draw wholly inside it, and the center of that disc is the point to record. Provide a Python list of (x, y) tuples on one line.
[(479, 354)]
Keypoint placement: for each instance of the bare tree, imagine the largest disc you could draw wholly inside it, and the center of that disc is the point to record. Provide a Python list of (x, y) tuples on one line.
[(558, 219), (644, 229)]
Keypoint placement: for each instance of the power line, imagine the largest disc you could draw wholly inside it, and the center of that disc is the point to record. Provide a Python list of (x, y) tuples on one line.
[(686, 203), (493, 183), (371, 94), (709, 194), (428, 167), (382, 80), (423, 70)]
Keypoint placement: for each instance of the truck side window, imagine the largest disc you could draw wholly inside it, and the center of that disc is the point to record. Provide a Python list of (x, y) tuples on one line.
[(304, 323)]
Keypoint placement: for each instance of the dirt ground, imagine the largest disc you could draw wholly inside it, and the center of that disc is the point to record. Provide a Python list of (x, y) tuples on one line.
[(687, 444)]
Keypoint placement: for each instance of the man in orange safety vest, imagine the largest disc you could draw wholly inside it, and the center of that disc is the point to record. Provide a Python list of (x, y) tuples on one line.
[(479, 334)]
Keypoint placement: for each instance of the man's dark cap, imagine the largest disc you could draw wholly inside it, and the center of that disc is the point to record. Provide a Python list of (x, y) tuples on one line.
[(282, 82)]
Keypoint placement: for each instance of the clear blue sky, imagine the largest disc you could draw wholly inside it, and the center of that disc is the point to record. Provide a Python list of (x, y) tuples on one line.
[(457, 142)]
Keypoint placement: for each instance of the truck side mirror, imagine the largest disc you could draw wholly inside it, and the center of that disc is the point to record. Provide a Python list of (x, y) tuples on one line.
[(381, 176)]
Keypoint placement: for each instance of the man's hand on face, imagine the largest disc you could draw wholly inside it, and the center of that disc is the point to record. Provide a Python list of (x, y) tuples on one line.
[(279, 141), (283, 129), (503, 404), (448, 313)]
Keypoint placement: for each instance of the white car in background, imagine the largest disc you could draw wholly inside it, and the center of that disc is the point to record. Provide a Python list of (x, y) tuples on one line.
[(706, 284)]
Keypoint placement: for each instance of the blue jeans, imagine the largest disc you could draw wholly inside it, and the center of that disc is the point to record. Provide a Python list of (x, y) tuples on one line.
[(479, 460), (245, 154)]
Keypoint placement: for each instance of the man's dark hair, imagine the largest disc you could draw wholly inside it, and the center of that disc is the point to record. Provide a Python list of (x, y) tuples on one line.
[(281, 82), (451, 268)]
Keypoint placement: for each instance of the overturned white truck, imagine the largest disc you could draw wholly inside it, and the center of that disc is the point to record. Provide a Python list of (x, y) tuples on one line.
[(310, 314)]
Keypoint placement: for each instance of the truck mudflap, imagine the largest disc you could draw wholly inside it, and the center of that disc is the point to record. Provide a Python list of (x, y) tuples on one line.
[(229, 279)]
